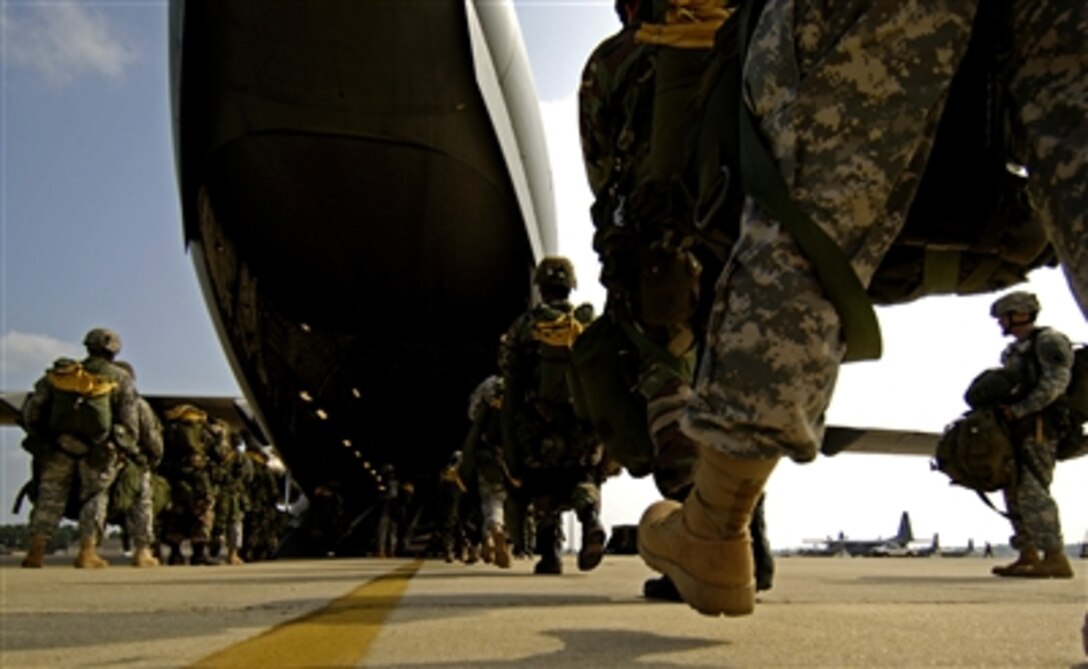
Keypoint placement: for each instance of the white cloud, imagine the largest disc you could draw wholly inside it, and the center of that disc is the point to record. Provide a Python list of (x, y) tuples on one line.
[(63, 41), (24, 355)]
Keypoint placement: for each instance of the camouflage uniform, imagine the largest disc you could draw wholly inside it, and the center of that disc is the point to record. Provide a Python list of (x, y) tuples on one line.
[(92, 472), (484, 459), (232, 501), (551, 448), (141, 515), (194, 478), (847, 97), (1044, 360), (616, 109), (264, 522), (831, 84), (635, 231)]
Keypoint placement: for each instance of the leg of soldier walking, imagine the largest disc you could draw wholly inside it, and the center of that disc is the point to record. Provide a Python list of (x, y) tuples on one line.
[(548, 536), (1052, 102), (516, 525), (492, 503), (761, 547), (95, 478), (1039, 513), (58, 472), (234, 538), (139, 521), (202, 531), (586, 500), (819, 79), (1020, 539)]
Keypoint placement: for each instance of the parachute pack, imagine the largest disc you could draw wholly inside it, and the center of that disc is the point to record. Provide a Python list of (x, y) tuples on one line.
[(555, 332), (80, 404), (970, 228), (183, 435)]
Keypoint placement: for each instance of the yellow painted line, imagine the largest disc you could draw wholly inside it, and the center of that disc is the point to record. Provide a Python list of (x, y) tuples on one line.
[(337, 635)]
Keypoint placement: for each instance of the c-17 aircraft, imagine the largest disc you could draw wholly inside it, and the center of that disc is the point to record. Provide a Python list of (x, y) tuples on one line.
[(365, 190)]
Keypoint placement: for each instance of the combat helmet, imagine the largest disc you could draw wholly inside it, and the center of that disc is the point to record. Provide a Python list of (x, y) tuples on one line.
[(1019, 301), (103, 339), (555, 272)]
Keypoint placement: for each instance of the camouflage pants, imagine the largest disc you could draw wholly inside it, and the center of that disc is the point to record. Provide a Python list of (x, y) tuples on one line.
[(140, 517), (1031, 509), (552, 491), (492, 502), (59, 472), (848, 95), (193, 520)]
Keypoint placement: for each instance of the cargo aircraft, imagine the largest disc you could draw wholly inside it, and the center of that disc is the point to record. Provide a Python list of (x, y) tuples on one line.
[(365, 190), (898, 544)]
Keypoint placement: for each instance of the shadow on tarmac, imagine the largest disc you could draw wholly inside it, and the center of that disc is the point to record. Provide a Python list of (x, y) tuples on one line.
[(598, 648)]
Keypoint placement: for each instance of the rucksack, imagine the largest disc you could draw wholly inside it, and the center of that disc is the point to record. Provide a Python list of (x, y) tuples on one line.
[(1072, 442), (969, 229), (81, 401), (977, 451), (183, 436), (1069, 413), (554, 331)]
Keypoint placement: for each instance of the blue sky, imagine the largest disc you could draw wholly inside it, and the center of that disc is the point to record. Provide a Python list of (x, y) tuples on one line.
[(90, 234)]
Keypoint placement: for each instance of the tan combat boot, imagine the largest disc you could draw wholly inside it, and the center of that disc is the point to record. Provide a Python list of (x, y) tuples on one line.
[(35, 553), (703, 545), (1054, 564), (143, 558), (1029, 557), (88, 557), (233, 558)]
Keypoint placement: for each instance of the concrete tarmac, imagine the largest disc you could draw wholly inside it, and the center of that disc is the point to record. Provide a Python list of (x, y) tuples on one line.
[(822, 612)]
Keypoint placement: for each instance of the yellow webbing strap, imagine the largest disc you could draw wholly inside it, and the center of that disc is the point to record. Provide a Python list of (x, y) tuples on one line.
[(689, 24), (186, 413), (74, 379), (562, 331)]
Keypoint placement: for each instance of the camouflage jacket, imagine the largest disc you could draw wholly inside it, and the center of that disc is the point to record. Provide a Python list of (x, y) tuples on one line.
[(150, 433), (1043, 364), (615, 105)]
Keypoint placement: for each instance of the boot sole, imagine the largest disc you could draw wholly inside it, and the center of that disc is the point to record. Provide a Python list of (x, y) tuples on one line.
[(708, 599)]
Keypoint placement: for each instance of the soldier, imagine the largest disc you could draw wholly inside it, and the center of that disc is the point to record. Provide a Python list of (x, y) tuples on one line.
[(459, 534), (140, 514), (633, 231), (389, 496), (551, 446), (236, 475), (1040, 359), (85, 416), (194, 447), (484, 456), (264, 522), (847, 96)]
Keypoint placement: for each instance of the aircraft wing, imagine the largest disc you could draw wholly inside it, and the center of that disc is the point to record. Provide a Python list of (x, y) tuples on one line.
[(235, 411), (10, 405), (875, 440)]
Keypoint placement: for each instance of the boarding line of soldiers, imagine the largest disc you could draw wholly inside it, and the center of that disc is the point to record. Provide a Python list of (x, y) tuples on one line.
[(101, 454)]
